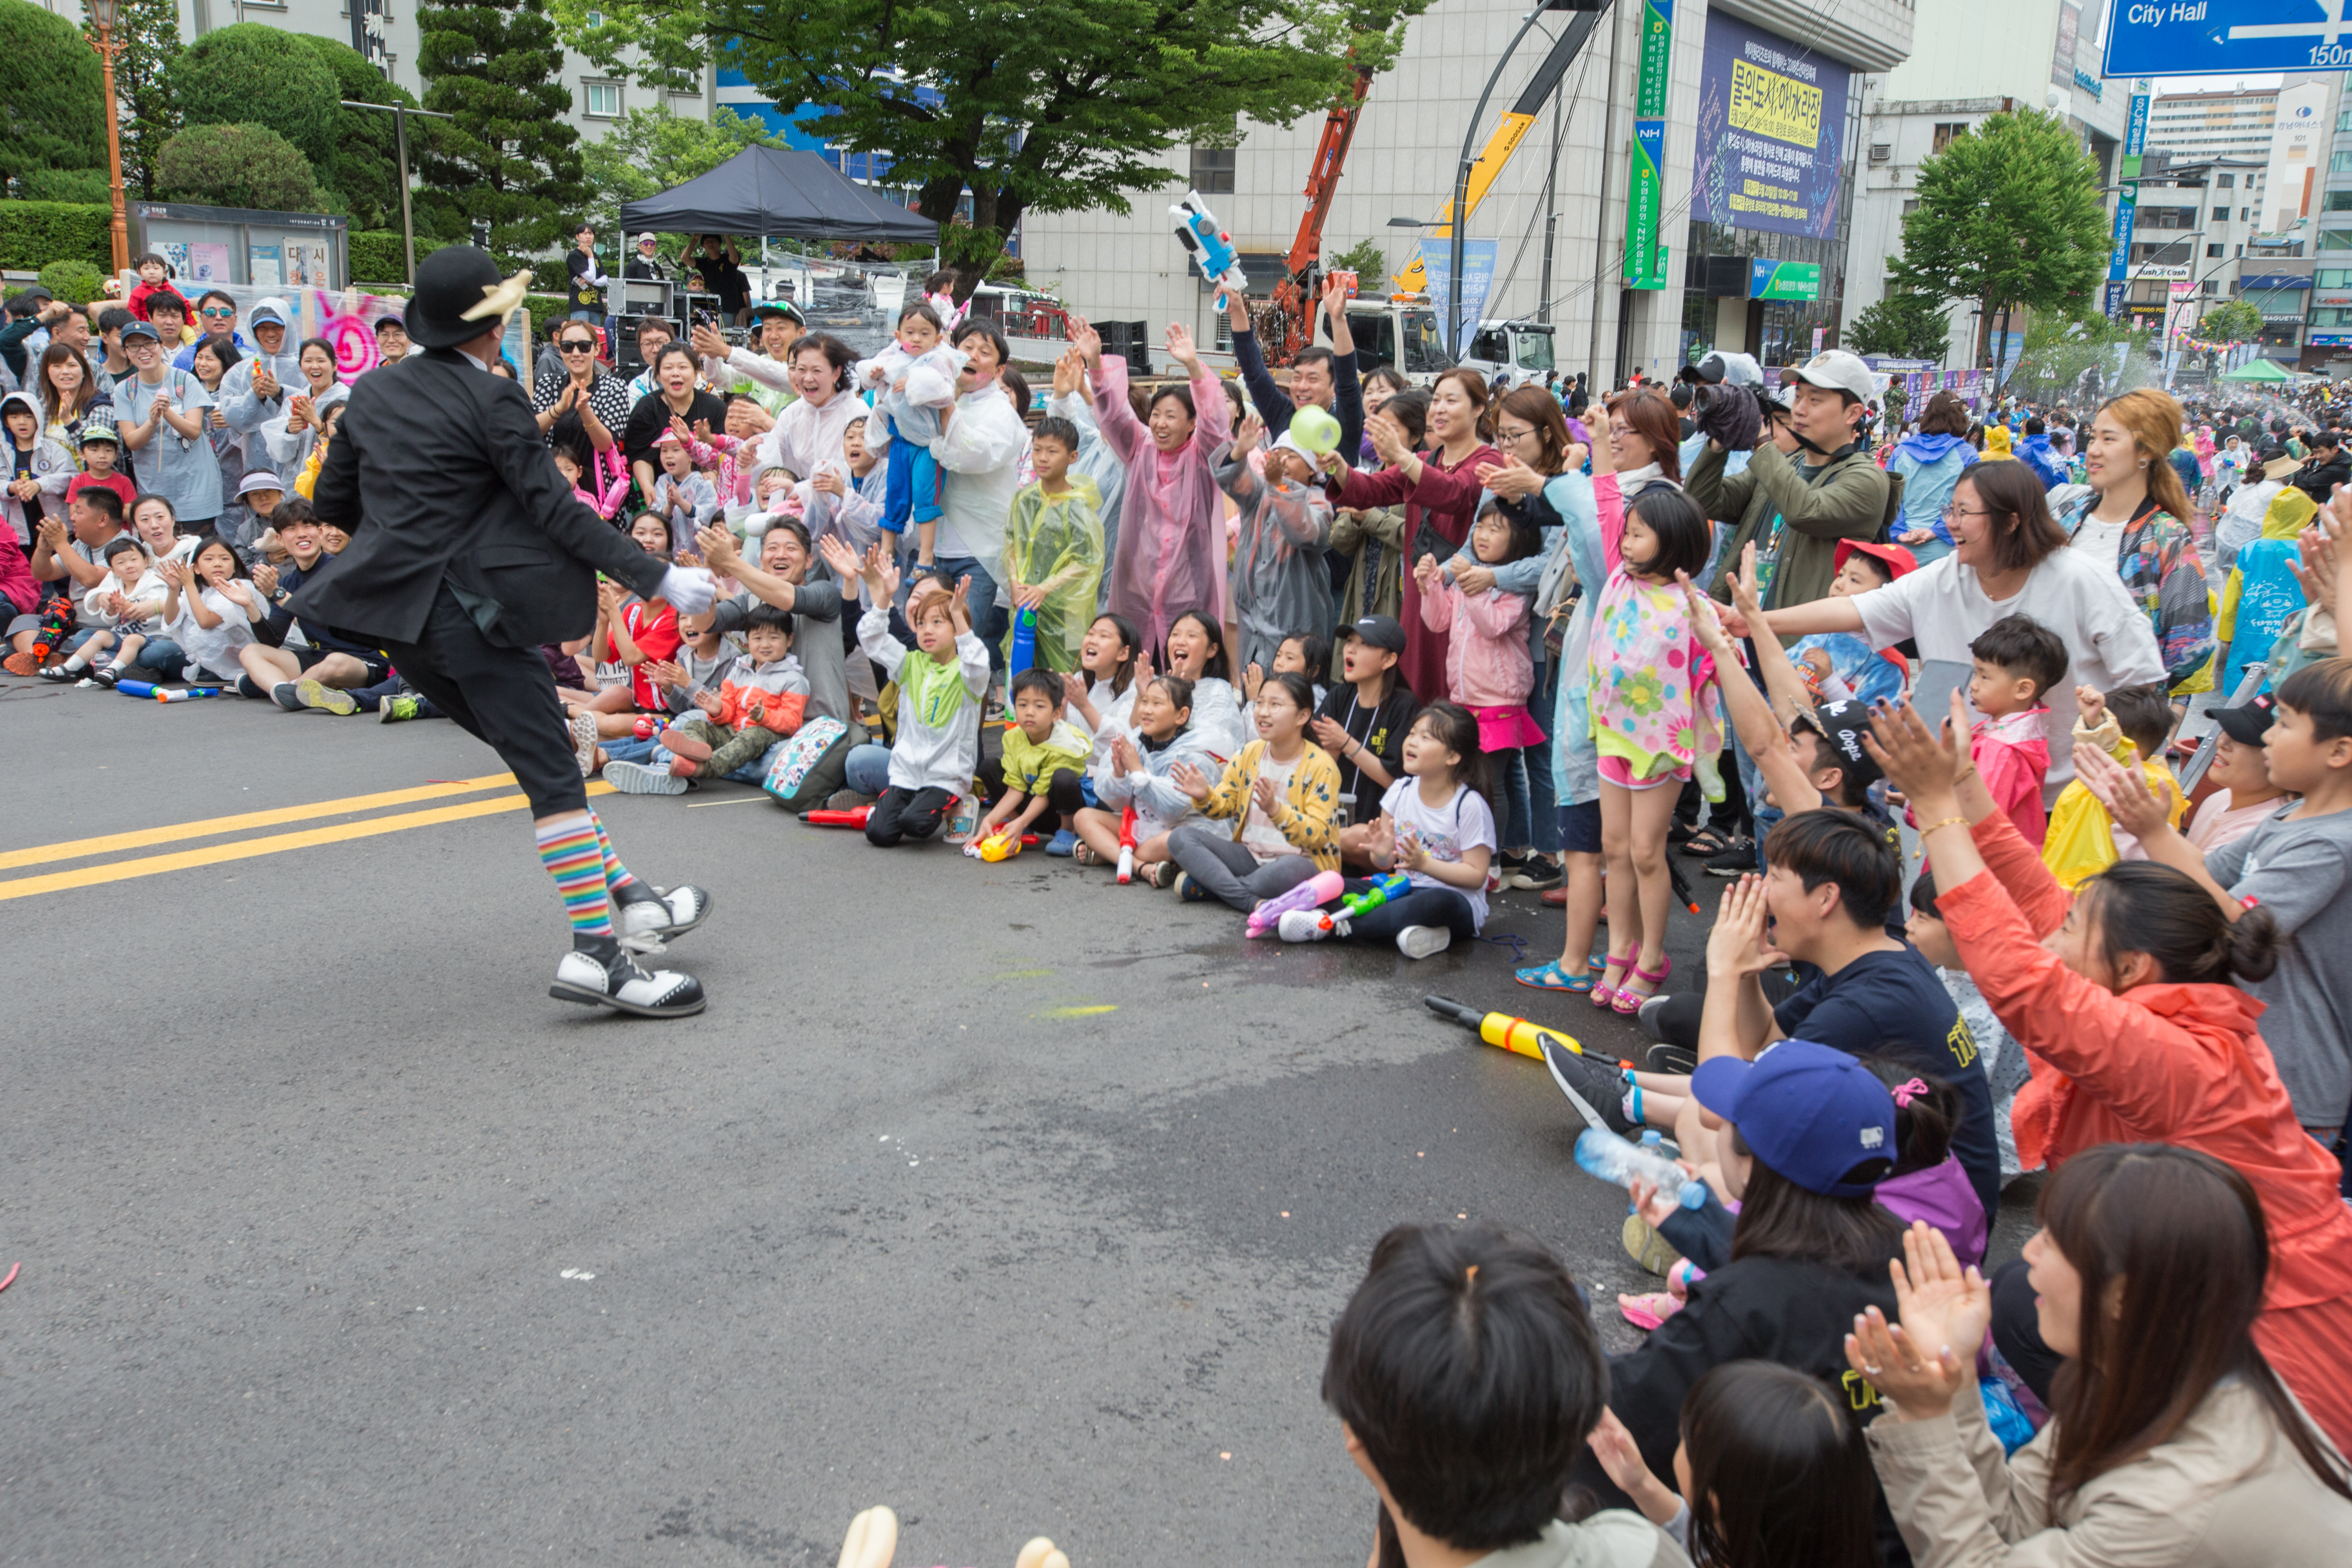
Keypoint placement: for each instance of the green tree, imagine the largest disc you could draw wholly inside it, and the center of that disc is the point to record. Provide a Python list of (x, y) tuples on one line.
[(2236, 321), (367, 168), (647, 150), (509, 157), (52, 105), (1368, 259), (238, 166), (1020, 105), (147, 43), (2010, 215), (254, 74), (1908, 326), (2061, 349)]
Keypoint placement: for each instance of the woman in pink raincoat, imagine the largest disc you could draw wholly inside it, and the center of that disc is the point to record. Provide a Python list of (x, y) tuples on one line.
[(1170, 556)]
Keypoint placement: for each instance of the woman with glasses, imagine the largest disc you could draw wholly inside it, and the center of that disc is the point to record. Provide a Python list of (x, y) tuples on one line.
[(586, 393), (2008, 558), (162, 417)]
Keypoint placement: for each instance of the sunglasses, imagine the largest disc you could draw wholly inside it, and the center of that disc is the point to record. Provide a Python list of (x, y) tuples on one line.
[(576, 346), (218, 312)]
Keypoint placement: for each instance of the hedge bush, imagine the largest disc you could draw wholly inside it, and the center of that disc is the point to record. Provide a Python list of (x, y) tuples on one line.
[(238, 166), (33, 233), (75, 282), (378, 256)]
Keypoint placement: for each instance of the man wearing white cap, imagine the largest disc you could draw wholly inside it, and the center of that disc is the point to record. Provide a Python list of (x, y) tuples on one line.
[(254, 390)]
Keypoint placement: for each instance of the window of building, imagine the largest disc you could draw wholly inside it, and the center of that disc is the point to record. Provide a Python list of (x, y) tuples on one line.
[(1947, 131), (2225, 181), (1880, 151), (604, 100), (2332, 278), (2335, 240), (2221, 215), (595, 18), (2339, 163), (2331, 317), (2245, 215), (1910, 207), (2214, 253), (1213, 170), (2336, 202)]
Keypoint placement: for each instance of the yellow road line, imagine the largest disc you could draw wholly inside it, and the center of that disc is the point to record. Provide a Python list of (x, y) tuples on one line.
[(274, 844), (77, 849)]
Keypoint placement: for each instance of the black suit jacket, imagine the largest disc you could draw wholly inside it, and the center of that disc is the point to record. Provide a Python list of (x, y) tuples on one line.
[(440, 471)]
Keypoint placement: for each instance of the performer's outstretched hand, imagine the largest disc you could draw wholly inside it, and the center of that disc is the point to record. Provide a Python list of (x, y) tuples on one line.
[(689, 589)]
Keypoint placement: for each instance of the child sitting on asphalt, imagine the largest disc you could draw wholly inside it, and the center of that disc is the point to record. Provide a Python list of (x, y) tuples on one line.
[(1468, 1380), (1044, 758), (1436, 827), (760, 700), (1139, 773), (941, 687), (128, 598), (209, 611), (2017, 661), (1280, 794)]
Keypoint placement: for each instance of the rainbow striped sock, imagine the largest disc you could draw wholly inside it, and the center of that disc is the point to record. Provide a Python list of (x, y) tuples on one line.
[(617, 876), (568, 847)]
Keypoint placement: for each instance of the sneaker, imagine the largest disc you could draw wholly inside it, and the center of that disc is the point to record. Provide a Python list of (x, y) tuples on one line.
[(1596, 1088), (1062, 845), (1738, 860), (1189, 891), (1504, 870), (1539, 873), (848, 800), (1666, 1058), (622, 985), (638, 778), (394, 709), (583, 744), (669, 913), (1301, 925), (1423, 941), (1645, 1246), (325, 699), (282, 693), (1647, 1016), (106, 677), (1164, 874)]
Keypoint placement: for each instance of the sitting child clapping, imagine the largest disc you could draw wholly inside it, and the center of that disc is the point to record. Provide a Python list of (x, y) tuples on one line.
[(1437, 830), (681, 498), (1280, 794), (1044, 758), (1140, 773), (760, 700), (124, 603)]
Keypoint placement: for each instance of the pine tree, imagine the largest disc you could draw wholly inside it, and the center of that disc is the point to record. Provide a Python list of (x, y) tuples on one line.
[(509, 157), (147, 40)]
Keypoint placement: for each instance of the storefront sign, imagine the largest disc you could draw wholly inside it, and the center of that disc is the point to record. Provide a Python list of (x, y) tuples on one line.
[(1784, 279), (1771, 117)]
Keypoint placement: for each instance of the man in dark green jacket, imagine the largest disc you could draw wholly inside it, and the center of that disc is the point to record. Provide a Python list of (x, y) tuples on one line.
[(1796, 509)]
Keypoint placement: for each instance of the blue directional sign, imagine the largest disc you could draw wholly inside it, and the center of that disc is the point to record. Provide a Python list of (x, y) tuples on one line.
[(2227, 38)]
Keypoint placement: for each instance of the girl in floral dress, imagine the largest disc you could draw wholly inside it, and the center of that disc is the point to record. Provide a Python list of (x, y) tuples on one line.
[(1656, 712)]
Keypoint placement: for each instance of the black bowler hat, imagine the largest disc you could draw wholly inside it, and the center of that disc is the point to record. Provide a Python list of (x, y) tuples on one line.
[(459, 296)]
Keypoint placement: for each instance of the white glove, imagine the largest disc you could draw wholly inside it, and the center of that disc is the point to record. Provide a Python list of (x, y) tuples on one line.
[(689, 589)]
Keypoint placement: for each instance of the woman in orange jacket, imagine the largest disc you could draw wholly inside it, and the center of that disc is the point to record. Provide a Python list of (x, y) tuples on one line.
[(2122, 998)]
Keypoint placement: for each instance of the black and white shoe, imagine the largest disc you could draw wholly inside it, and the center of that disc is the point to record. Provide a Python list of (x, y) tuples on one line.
[(667, 914), (1596, 1088), (624, 986)]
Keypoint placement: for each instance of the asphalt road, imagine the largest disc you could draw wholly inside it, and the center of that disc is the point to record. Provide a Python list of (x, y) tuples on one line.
[(1012, 1198)]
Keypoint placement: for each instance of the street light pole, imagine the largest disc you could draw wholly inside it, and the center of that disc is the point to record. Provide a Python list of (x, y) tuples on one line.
[(400, 113), (102, 14)]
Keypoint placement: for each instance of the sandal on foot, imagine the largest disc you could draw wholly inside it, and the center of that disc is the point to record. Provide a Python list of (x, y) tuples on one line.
[(1648, 1309), (1603, 994), (1628, 1001), (1706, 842), (1551, 977)]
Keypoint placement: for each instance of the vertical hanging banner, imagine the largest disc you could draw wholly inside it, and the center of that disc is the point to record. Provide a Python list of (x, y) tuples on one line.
[(1645, 253), (2134, 142)]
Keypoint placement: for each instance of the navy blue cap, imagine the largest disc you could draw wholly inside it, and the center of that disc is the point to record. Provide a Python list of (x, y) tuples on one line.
[(1810, 1112)]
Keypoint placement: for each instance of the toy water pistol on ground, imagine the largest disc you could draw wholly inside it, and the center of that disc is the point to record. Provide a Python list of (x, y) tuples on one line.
[(1319, 888), (1127, 846), (1198, 231), (147, 690), (1002, 845), (1395, 885), (1579, 1073), (649, 725), (854, 817)]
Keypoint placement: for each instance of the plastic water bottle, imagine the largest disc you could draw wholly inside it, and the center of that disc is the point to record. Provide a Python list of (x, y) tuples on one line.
[(1611, 1158)]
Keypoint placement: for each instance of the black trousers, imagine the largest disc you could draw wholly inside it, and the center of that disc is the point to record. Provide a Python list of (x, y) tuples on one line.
[(903, 814), (504, 696)]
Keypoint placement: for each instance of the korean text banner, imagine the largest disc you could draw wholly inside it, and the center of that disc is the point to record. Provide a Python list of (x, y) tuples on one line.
[(1771, 121)]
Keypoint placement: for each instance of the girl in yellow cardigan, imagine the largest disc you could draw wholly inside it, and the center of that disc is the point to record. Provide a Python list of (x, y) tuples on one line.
[(1280, 795)]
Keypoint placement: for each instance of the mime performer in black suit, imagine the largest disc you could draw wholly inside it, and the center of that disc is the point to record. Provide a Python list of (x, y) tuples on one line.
[(468, 551)]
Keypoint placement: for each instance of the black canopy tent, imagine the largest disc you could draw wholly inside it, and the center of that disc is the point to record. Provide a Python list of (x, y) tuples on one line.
[(781, 192)]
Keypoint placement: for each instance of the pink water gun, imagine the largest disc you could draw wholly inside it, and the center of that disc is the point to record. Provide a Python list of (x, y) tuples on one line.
[(1319, 888)]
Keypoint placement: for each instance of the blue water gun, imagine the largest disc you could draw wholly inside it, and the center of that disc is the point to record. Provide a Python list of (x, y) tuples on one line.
[(1024, 640), (1395, 885), (1198, 231)]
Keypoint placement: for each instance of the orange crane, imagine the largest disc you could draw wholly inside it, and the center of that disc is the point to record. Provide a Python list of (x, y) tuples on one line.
[(1285, 323)]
